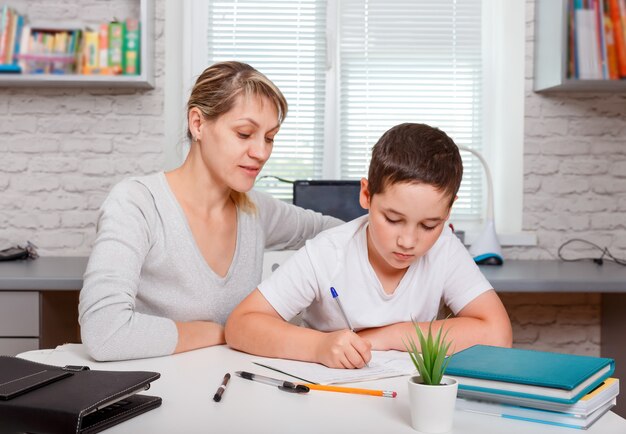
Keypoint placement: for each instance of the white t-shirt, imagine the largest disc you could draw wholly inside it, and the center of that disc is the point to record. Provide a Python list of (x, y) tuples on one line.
[(338, 257)]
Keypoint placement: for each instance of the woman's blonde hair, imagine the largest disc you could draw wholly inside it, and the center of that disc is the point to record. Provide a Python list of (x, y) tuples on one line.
[(216, 91)]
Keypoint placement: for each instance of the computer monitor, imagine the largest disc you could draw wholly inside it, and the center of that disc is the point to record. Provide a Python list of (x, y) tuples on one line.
[(336, 198)]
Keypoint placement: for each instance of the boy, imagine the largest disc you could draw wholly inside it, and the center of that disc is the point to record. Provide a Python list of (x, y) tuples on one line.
[(391, 266)]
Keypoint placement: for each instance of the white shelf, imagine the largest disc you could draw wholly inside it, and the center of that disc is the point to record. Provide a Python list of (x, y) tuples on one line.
[(145, 80), (551, 36)]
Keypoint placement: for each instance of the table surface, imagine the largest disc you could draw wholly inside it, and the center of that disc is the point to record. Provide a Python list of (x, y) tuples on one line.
[(189, 380), (66, 273)]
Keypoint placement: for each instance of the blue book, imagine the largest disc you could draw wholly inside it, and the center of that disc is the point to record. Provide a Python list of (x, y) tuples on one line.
[(549, 376), (10, 69)]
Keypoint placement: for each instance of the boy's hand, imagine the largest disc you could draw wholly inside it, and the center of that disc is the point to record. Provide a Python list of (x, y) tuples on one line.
[(343, 349)]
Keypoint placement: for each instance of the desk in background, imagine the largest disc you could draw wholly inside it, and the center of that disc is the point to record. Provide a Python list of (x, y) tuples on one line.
[(39, 299), (39, 302), (189, 380)]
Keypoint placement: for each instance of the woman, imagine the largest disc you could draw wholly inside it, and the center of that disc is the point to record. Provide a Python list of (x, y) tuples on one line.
[(176, 252)]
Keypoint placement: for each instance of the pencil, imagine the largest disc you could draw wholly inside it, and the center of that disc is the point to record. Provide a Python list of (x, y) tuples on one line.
[(384, 393)]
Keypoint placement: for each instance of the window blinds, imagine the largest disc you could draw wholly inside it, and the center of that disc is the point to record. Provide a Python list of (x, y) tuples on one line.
[(411, 61), (399, 61), (285, 40)]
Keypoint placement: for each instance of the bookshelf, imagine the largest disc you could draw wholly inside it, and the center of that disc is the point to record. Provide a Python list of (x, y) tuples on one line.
[(145, 80), (550, 68)]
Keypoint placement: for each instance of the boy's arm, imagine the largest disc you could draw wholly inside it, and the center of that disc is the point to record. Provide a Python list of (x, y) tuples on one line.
[(255, 327), (482, 321)]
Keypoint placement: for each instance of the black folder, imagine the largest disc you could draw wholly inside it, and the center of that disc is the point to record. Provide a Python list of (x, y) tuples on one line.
[(39, 398)]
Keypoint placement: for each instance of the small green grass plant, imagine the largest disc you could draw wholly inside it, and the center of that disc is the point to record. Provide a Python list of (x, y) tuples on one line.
[(431, 364)]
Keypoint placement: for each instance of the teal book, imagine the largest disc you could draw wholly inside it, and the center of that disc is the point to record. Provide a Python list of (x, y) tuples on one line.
[(532, 374)]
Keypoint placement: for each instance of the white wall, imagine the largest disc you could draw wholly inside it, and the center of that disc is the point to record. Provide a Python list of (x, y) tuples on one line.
[(61, 150)]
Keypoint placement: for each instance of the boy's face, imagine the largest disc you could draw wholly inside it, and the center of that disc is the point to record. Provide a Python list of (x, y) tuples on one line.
[(405, 220)]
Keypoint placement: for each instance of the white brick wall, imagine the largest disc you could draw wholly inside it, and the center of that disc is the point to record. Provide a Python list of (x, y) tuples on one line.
[(62, 149), (574, 187)]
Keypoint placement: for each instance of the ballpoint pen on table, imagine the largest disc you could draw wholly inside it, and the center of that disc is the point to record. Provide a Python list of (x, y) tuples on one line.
[(372, 392), (283, 372), (220, 390), (286, 386), (335, 295)]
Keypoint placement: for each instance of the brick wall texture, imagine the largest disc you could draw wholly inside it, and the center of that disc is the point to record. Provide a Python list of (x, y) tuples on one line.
[(62, 150)]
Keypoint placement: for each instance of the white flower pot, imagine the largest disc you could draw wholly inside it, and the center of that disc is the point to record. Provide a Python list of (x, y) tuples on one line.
[(432, 407)]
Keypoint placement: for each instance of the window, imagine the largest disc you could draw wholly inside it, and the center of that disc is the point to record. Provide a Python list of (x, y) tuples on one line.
[(351, 69)]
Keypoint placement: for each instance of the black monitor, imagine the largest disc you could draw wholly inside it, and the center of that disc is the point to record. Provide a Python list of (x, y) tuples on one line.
[(336, 198)]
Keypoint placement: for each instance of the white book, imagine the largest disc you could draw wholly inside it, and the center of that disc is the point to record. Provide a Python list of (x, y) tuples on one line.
[(533, 415), (587, 50), (605, 392)]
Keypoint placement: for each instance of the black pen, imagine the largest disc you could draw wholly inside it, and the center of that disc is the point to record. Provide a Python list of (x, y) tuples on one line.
[(286, 386), (220, 390)]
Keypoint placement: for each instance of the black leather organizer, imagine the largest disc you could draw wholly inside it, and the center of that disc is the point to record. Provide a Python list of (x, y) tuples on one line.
[(39, 398)]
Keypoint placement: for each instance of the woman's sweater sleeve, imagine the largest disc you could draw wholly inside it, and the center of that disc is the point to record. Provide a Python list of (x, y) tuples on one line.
[(287, 227), (111, 328)]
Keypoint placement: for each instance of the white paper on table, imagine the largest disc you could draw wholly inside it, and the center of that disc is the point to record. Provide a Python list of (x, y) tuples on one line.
[(384, 364)]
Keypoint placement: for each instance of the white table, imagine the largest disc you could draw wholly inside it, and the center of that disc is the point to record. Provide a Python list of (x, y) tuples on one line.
[(189, 380)]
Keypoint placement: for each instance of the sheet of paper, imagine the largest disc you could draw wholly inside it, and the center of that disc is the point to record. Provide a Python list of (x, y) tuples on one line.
[(384, 364)]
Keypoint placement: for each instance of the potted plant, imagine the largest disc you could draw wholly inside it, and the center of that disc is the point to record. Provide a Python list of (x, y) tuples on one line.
[(431, 395)]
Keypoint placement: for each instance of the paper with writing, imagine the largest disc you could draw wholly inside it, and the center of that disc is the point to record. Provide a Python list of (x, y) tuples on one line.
[(384, 364)]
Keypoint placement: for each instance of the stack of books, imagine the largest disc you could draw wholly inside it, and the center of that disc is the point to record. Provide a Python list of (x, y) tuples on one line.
[(537, 386)]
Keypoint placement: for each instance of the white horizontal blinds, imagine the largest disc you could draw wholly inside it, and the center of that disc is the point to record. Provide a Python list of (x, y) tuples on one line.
[(284, 39), (411, 61)]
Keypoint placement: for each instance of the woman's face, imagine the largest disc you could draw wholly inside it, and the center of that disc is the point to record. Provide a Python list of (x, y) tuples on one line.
[(236, 145)]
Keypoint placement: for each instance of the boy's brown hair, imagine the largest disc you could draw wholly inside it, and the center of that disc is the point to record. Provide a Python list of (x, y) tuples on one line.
[(416, 153)]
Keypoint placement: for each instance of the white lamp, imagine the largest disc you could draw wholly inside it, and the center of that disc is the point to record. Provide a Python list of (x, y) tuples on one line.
[(486, 248)]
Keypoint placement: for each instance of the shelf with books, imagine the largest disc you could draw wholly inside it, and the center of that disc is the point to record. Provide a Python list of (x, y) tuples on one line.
[(61, 78), (563, 62)]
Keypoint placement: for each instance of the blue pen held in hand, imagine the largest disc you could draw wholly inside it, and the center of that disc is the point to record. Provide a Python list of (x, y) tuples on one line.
[(333, 291)]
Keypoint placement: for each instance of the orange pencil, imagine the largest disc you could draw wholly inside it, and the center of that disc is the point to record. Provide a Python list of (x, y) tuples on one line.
[(384, 393)]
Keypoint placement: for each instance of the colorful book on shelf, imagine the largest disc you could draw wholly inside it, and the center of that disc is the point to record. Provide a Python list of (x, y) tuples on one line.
[(116, 47), (611, 51), (508, 411), (605, 392), (533, 374), (4, 30), (10, 69), (90, 52), (103, 49), (131, 47), (588, 56), (618, 36)]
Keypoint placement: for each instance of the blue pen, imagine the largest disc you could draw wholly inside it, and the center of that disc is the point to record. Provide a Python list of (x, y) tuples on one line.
[(343, 312), (333, 292)]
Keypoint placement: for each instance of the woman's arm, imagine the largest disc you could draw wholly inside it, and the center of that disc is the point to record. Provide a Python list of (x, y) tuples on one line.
[(111, 327), (198, 334), (482, 321), (287, 226)]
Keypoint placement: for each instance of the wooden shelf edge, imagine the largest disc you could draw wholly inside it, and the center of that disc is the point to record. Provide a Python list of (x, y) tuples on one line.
[(585, 86), (73, 80)]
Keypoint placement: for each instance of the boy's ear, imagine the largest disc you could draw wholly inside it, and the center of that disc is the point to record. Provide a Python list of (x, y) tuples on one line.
[(364, 195)]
